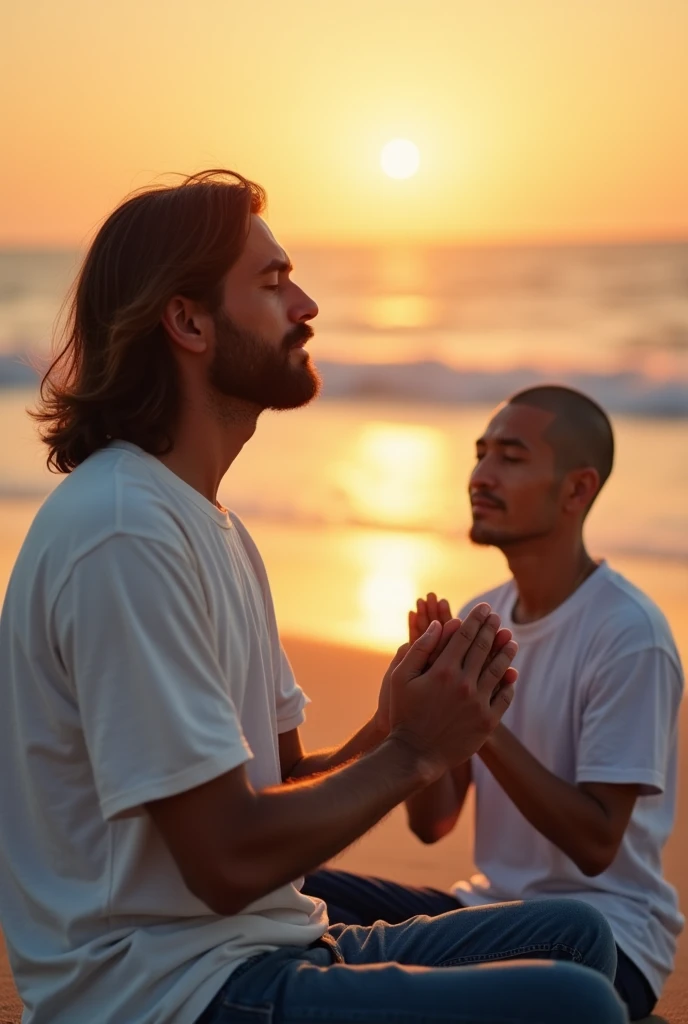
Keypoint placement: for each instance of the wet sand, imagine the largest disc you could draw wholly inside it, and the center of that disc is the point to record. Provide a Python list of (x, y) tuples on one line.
[(342, 683)]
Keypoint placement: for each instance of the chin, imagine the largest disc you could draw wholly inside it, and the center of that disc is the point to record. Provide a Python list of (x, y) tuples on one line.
[(478, 536), (483, 536), (302, 390)]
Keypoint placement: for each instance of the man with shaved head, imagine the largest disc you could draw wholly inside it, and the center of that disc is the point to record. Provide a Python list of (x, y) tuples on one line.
[(575, 790)]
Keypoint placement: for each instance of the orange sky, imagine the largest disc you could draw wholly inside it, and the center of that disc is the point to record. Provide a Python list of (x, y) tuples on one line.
[(536, 119)]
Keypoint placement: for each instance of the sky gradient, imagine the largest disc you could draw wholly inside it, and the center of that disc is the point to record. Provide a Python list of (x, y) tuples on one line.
[(535, 120)]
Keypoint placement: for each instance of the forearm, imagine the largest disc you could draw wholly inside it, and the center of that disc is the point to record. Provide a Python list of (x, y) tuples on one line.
[(290, 830), (362, 742), (571, 819), (432, 812)]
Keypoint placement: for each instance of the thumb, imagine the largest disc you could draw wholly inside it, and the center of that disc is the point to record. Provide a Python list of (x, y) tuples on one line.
[(415, 660), (399, 656)]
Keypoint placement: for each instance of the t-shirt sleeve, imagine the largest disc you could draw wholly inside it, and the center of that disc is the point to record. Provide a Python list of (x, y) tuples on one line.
[(291, 700), (629, 721), (135, 637)]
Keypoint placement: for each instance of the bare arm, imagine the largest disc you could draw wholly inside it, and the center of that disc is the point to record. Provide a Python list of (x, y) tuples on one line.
[(434, 811), (229, 867), (295, 763), (586, 822), (234, 845)]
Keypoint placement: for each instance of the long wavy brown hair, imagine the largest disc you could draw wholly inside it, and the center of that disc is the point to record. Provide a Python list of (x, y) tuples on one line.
[(115, 375)]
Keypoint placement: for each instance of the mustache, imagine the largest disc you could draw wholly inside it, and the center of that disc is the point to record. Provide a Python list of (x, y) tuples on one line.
[(297, 334), (486, 496)]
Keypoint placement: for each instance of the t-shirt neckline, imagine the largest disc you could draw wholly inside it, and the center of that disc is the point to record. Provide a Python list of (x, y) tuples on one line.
[(555, 619), (222, 518)]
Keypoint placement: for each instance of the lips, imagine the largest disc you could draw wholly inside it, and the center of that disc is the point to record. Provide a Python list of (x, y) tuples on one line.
[(482, 504)]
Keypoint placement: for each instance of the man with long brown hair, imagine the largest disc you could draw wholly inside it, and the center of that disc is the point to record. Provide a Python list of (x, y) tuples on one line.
[(157, 808)]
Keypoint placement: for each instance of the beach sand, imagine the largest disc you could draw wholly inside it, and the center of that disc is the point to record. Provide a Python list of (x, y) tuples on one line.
[(341, 682)]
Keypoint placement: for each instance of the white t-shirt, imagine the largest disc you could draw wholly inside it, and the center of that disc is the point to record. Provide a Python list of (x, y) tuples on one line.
[(139, 657), (597, 701)]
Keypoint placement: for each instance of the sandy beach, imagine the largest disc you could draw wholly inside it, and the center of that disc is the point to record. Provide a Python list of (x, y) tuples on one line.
[(341, 682)]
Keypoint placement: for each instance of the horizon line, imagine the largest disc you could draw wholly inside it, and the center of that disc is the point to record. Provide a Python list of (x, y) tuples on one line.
[(478, 242)]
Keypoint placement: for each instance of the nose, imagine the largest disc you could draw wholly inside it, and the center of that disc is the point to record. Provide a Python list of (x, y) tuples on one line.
[(303, 308), (483, 477)]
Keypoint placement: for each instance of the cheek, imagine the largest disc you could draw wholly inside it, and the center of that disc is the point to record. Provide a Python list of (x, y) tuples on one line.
[(261, 313), (527, 499)]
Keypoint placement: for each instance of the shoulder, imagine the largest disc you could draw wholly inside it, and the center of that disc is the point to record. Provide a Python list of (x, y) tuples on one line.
[(623, 621), (499, 598), (250, 547), (622, 605), (110, 497), (117, 491)]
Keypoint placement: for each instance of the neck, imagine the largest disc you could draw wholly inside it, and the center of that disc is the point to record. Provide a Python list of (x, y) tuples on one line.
[(207, 440), (546, 572)]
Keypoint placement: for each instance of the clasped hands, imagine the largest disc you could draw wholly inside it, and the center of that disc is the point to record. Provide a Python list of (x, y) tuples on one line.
[(446, 690)]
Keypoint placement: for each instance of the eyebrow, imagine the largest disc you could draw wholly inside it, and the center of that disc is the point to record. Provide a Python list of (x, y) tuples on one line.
[(506, 442), (282, 266)]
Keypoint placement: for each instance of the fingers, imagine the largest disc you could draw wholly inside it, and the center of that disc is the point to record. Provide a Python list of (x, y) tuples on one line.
[(503, 636), (508, 679), (448, 631), (437, 609), (423, 618), (399, 656), (502, 699), (415, 659), (481, 646), (462, 638), (494, 671), (444, 611), (427, 609)]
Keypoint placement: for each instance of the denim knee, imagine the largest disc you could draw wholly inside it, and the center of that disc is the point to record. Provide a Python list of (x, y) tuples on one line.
[(585, 995), (593, 934)]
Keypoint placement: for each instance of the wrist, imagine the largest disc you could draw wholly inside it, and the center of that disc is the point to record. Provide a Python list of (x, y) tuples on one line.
[(418, 762), (376, 731), (492, 743)]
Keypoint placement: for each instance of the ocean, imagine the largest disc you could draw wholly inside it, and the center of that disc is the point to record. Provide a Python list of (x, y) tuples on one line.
[(358, 502)]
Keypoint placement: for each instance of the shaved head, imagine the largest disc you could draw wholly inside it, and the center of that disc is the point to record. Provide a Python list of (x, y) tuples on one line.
[(580, 434)]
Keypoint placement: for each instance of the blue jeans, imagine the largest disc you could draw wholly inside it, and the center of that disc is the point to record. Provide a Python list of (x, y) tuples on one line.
[(358, 975), (359, 899)]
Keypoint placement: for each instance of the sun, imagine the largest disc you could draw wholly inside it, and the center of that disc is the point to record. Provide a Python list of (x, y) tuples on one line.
[(400, 158)]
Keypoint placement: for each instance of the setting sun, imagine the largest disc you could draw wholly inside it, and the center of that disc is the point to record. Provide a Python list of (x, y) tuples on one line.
[(400, 158)]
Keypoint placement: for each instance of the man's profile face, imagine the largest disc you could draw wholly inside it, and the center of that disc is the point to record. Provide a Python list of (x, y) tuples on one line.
[(262, 327), (514, 487)]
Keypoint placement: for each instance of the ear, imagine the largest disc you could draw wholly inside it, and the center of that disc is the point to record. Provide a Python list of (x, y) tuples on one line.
[(187, 324), (580, 488)]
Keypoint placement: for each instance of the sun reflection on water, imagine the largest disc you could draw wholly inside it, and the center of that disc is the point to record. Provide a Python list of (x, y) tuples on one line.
[(394, 474), (386, 312), (391, 569)]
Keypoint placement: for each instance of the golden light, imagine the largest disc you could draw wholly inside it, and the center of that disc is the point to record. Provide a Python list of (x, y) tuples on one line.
[(390, 311), (400, 158), (391, 568), (393, 474)]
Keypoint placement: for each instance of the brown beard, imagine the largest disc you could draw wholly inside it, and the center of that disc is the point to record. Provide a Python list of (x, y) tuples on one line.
[(248, 368)]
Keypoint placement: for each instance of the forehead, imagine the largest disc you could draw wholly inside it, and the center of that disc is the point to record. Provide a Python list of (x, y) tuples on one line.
[(260, 249), (528, 424)]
